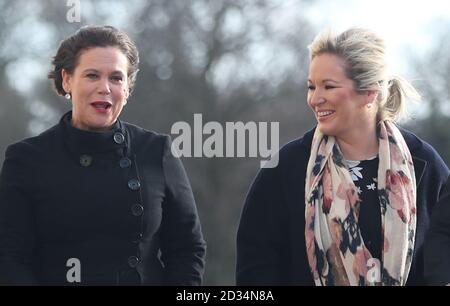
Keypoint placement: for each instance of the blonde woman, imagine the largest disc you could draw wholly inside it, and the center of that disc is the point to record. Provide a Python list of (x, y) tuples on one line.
[(350, 201)]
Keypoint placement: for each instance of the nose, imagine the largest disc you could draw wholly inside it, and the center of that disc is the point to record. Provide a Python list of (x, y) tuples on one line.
[(103, 87), (316, 98)]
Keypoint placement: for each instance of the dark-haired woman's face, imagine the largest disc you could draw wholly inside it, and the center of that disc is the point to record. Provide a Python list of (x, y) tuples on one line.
[(99, 88)]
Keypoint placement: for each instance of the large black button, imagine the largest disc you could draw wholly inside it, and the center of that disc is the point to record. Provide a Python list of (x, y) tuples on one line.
[(136, 238), (85, 160), (137, 210), (134, 184), (125, 162), (133, 261), (119, 138)]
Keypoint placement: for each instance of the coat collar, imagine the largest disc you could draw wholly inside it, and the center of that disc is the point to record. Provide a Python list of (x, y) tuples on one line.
[(86, 142), (412, 141)]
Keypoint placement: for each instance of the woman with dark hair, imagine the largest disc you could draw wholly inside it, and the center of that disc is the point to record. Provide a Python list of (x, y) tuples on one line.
[(349, 203), (95, 200)]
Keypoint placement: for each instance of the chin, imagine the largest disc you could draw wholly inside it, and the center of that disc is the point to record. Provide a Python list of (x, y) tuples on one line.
[(326, 129)]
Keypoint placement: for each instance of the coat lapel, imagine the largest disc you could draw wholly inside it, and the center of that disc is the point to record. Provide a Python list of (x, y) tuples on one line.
[(419, 168)]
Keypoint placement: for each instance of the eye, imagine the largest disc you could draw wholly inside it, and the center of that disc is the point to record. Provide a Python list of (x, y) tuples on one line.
[(117, 78), (329, 87), (91, 75), (310, 87)]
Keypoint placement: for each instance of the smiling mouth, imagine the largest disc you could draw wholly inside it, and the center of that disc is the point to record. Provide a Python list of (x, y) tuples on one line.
[(324, 114)]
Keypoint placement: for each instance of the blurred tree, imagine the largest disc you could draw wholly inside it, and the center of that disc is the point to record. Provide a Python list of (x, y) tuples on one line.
[(13, 111), (228, 60), (432, 123), (13, 114)]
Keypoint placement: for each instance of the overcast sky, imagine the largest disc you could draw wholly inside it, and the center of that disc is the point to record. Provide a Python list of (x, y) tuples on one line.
[(408, 26)]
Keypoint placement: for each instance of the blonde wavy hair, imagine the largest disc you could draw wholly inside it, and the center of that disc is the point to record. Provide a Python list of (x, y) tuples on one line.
[(364, 53)]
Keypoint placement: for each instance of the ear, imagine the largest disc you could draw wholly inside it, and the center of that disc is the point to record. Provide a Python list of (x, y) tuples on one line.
[(66, 80), (372, 96)]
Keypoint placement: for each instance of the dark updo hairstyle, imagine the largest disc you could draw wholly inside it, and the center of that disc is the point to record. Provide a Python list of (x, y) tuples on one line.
[(89, 37)]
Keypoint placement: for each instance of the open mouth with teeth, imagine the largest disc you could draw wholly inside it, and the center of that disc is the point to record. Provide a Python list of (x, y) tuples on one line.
[(324, 114), (101, 106)]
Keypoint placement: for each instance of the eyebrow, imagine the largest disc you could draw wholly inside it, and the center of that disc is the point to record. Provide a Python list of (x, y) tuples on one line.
[(96, 71), (325, 80)]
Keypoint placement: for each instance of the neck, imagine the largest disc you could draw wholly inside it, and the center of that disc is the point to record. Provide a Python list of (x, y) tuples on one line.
[(359, 144)]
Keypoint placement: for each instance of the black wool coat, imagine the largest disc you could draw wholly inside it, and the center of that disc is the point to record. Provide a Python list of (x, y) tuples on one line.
[(118, 202), (271, 247)]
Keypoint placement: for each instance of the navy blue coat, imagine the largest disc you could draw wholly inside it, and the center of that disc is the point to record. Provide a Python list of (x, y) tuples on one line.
[(437, 244), (118, 201), (271, 247)]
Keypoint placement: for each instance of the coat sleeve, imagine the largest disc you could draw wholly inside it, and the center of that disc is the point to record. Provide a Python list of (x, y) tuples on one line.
[(437, 242), (183, 249), (262, 233), (16, 220)]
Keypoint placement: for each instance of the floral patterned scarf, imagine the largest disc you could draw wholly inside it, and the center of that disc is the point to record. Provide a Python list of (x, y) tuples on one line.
[(335, 248)]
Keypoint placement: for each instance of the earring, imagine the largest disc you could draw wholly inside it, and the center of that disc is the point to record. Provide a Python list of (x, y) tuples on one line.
[(68, 96)]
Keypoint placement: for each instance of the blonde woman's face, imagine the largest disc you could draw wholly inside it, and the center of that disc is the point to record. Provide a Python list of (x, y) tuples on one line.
[(99, 88), (338, 108)]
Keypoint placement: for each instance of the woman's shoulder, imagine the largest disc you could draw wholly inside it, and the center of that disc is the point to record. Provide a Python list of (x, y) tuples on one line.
[(424, 152), (24, 159), (34, 144), (420, 148), (138, 131), (291, 160), (143, 138), (297, 150)]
